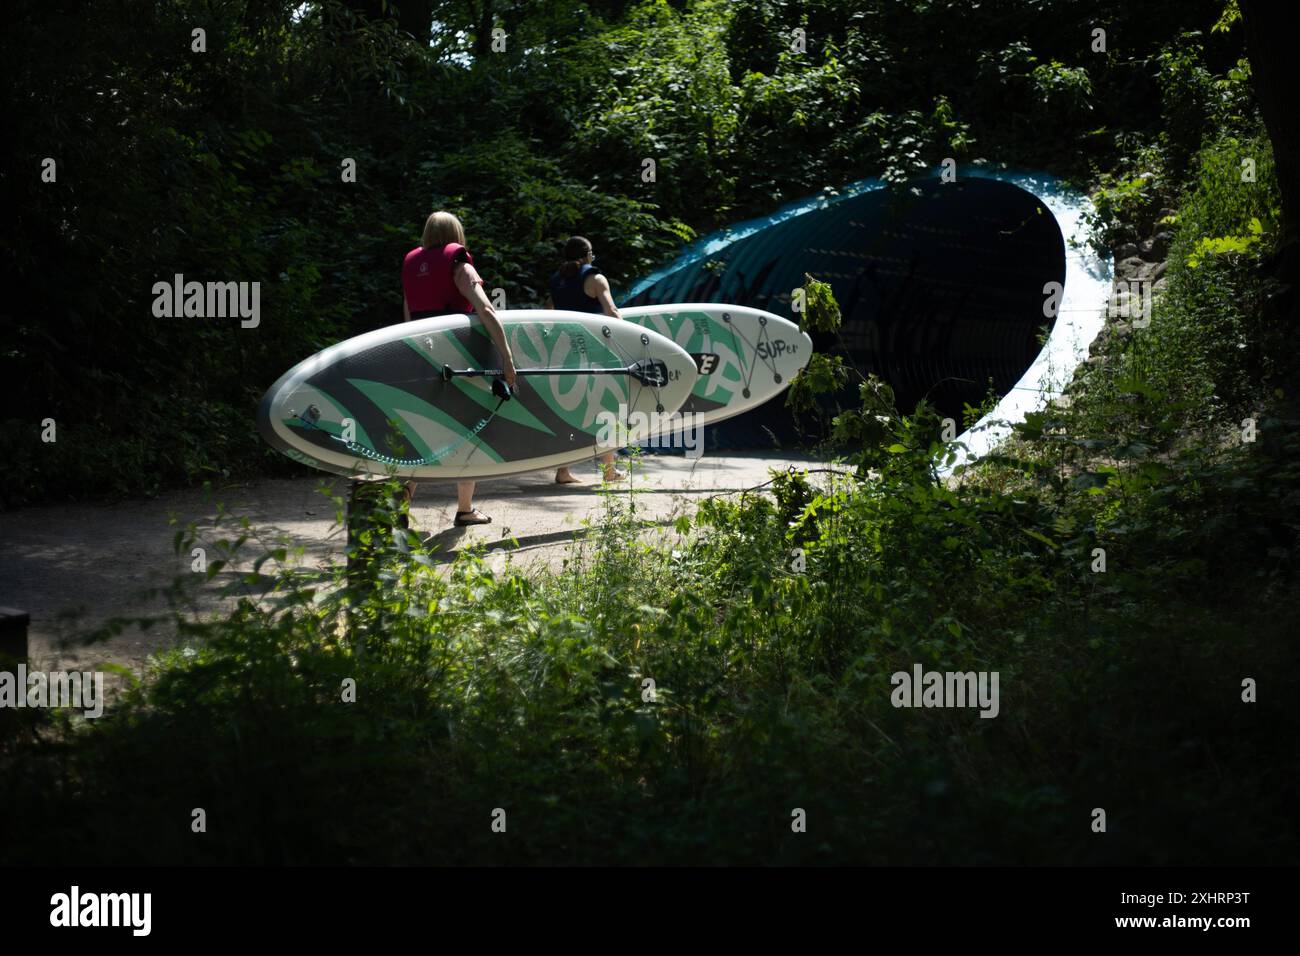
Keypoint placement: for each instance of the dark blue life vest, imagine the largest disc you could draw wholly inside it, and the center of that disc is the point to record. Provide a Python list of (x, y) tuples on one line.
[(568, 294)]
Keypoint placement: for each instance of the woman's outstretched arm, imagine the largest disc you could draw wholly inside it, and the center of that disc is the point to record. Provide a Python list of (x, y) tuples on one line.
[(471, 287)]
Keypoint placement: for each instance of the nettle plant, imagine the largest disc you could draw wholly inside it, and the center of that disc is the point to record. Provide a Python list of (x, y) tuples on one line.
[(880, 440)]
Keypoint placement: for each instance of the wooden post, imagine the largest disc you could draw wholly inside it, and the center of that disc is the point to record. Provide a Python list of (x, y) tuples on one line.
[(13, 651), (13, 637)]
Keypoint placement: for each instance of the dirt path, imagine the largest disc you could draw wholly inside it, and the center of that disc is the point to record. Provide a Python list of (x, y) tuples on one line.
[(96, 559)]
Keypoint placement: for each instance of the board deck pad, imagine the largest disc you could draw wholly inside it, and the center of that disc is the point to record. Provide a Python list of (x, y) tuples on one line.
[(379, 403)]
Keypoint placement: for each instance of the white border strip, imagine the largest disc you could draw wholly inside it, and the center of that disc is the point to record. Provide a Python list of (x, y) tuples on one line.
[(1082, 314)]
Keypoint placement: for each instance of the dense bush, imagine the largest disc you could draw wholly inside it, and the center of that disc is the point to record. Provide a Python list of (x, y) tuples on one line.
[(477, 690)]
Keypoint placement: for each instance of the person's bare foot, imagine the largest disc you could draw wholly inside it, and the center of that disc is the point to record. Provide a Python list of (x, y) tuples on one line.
[(473, 516), (613, 474), (565, 477)]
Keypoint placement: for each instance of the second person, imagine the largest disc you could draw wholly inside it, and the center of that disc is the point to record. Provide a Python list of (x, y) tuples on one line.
[(578, 286)]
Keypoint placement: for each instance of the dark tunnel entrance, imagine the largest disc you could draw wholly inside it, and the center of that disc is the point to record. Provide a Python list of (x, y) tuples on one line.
[(941, 286)]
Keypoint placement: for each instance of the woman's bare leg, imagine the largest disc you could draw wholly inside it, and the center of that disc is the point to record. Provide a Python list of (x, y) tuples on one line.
[(465, 511), (611, 470)]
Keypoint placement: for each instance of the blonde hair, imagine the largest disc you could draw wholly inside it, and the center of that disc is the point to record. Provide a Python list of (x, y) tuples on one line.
[(440, 229)]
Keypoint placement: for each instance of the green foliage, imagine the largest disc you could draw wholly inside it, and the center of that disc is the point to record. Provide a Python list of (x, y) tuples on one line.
[(1124, 203), (1062, 87), (525, 207), (823, 373), (1207, 345), (821, 311), (665, 95), (1231, 14), (1195, 102), (1223, 245), (972, 414), (1234, 182)]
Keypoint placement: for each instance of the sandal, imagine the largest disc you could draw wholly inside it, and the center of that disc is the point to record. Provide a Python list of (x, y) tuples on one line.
[(461, 515)]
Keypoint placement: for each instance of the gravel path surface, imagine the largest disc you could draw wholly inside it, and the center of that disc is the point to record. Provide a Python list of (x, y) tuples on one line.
[(95, 560)]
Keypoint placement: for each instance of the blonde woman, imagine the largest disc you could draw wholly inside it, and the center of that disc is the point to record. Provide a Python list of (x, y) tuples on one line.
[(578, 286), (438, 278)]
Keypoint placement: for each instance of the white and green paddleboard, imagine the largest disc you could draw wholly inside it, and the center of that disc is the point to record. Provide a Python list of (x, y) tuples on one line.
[(745, 356), (421, 400)]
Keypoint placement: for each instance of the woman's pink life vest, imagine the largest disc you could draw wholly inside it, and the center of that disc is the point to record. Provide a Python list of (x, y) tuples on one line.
[(427, 280)]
